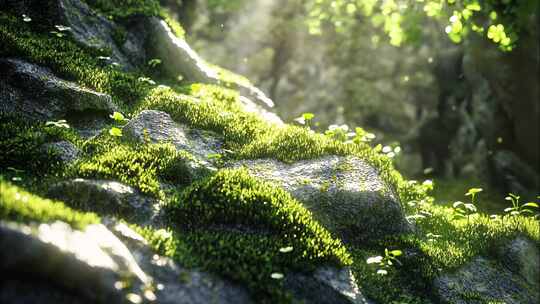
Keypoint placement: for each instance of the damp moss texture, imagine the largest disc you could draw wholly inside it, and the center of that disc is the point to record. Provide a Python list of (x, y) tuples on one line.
[(229, 222)]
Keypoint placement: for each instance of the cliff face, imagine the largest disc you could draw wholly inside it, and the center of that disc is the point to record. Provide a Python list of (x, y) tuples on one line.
[(134, 171)]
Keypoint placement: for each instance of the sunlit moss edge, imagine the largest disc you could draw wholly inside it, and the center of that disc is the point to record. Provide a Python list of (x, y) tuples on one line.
[(21, 206)]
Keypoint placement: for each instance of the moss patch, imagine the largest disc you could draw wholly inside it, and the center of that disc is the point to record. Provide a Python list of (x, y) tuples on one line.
[(19, 205), (235, 225), (21, 143), (68, 59), (140, 166)]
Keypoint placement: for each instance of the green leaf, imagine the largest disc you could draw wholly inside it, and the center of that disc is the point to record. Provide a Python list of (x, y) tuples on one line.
[(530, 204), (115, 132), (396, 252), (117, 116)]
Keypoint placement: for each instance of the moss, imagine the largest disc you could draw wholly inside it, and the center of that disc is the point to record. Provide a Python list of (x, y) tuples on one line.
[(19, 205), (440, 245), (235, 225), (68, 59), (125, 8), (21, 143), (141, 166)]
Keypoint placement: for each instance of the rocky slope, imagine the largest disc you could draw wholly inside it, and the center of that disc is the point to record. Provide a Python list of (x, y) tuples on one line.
[(197, 193)]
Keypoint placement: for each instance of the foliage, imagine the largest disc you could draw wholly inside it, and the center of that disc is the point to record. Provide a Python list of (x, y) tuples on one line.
[(401, 20), (385, 262), (19, 205)]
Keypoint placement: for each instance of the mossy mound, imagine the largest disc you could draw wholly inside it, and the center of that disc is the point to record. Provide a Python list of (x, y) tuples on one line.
[(21, 206), (247, 230)]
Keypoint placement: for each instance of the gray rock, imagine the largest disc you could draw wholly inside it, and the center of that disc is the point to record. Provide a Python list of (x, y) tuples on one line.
[(88, 263), (344, 193), (481, 281), (326, 285), (34, 92), (179, 59), (513, 175), (66, 151), (93, 30), (174, 283), (106, 197), (522, 257), (157, 126)]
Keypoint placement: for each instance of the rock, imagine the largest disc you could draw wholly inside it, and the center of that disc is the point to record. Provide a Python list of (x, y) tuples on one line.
[(344, 193), (93, 30), (34, 92), (326, 285), (522, 256), (513, 175), (179, 59), (482, 281), (106, 197), (66, 151), (252, 107), (88, 263), (158, 126), (174, 283)]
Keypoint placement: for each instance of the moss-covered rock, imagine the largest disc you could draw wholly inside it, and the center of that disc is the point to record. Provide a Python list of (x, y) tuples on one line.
[(34, 92), (344, 193)]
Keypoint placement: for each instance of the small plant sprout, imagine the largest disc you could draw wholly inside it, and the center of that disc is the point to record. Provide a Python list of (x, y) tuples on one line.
[(472, 193), (277, 276), (338, 132), (463, 210), (286, 249), (305, 119), (62, 28), (384, 263), (154, 62), (146, 80), (62, 123), (519, 209), (118, 117), (114, 131), (26, 18)]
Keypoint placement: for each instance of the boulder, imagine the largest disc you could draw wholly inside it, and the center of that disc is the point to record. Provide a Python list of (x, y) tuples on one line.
[(158, 126), (175, 284), (35, 93), (88, 263), (106, 197), (62, 265), (65, 150), (326, 285), (344, 193), (513, 277)]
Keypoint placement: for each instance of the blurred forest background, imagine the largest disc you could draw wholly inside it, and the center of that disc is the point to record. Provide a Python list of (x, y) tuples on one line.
[(449, 87)]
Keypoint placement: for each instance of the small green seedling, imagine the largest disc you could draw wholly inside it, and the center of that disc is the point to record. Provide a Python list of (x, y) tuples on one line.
[(519, 209), (305, 119), (463, 210), (154, 62), (386, 262), (62, 123), (114, 131), (119, 118)]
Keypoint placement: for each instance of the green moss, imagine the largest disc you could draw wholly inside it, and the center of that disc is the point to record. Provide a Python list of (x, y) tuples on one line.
[(68, 59), (125, 8), (21, 143), (234, 198), (235, 225), (440, 245), (141, 166), (19, 205)]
